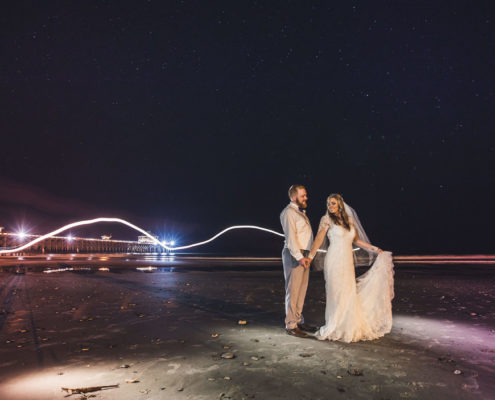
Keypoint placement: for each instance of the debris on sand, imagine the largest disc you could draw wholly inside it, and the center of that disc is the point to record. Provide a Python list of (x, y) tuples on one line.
[(135, 380), (228, 356), (355, 372), (89, 389)]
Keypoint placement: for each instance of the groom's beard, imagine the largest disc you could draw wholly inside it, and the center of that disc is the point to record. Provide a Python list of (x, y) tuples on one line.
[(301, 204)]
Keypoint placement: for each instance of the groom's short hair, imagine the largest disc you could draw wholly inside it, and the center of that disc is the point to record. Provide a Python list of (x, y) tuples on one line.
[(293, 190)]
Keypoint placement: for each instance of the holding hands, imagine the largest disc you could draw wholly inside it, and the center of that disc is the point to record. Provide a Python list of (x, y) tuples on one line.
[(305, 262)]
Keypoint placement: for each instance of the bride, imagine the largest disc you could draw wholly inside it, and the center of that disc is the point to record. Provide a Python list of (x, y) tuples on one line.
[(354, 311)]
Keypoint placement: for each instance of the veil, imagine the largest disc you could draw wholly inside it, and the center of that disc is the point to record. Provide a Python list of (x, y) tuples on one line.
[(361, 256)]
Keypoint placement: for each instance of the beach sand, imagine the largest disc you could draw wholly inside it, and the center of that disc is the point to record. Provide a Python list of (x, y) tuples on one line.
[(166, 335)]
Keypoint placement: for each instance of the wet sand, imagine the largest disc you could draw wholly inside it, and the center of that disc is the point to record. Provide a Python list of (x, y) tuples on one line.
[(165, 333)]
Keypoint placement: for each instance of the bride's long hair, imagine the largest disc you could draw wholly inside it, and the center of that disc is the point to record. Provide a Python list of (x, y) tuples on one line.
[(343, 214)]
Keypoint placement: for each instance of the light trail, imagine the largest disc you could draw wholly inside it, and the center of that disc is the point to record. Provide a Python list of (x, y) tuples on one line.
[(447, 257), (137, 228), (226, 230)]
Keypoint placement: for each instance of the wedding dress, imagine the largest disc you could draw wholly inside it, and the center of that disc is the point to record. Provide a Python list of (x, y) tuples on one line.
[(359, 310)]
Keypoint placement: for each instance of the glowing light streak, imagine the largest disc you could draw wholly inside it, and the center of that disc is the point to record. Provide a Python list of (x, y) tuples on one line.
[(445, 262), (223, 232), (146, 269), (135, 227), (486, 259), (448, 257), (75, 224), (51, 271)]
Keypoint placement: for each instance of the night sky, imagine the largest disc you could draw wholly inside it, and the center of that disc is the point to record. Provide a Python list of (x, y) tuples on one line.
[(187, 117)]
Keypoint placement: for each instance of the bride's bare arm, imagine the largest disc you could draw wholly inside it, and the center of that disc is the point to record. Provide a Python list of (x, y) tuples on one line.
[(364, 245), (320, 236)]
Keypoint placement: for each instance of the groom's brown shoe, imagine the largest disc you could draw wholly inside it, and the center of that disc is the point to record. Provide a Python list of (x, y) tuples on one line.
[(307, 328), (296, 332)]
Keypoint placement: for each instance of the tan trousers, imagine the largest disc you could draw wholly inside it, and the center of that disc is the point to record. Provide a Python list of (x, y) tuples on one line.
[(296, 284)]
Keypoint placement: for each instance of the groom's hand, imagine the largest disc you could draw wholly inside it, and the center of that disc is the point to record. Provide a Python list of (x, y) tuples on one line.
[(305, 261)]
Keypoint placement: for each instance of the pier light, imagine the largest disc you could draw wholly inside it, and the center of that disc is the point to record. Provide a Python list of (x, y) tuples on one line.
[(21, 234), (172, 243), (70, 238)]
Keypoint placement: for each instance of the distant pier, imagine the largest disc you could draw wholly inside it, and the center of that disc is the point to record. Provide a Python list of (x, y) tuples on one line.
[(70, 244)]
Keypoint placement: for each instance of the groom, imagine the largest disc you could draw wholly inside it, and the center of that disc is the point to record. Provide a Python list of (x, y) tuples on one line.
[(298, 240)]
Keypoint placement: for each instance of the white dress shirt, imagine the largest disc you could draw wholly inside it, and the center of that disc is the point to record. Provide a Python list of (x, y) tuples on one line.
[(297, 230)]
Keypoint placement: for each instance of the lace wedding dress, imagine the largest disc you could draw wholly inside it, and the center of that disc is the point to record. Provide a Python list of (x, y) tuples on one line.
[(359, 310)]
